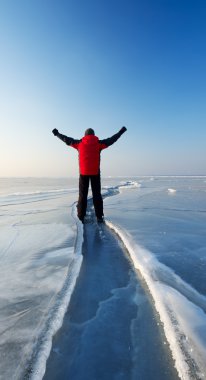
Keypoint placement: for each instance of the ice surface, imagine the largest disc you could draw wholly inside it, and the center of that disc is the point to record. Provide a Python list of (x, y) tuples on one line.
[(149, 218), (40, 261), (165, 235), (109, 330), (183, 320)]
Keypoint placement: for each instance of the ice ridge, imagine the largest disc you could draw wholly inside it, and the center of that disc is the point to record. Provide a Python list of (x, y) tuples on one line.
[(180, 307), (55, 320)]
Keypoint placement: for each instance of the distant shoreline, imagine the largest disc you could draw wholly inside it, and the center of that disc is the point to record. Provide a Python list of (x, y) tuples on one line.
[(107, 177)]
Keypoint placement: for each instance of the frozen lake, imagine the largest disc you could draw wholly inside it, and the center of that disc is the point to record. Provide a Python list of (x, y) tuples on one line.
[(162, 221)]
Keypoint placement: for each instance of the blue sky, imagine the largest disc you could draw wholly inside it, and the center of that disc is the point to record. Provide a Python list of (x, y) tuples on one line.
[(76, 64)]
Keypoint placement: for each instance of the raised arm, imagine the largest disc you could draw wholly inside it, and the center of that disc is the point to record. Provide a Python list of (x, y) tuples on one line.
[(111, 140), (67, 140)]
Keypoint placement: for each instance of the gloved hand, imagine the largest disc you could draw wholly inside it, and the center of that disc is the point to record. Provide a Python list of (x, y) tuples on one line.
[(55, 132), (123, 129)]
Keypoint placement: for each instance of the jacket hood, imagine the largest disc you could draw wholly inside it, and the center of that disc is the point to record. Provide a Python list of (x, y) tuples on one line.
[(90, 139)]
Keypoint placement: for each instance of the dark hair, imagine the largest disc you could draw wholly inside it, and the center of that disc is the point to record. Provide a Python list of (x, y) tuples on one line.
[(89, 131)]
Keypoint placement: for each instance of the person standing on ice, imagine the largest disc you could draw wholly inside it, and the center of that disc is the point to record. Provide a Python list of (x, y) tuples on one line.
[(89, 148)]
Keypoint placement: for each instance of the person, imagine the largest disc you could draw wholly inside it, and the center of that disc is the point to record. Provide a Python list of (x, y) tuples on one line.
[(89, 148)]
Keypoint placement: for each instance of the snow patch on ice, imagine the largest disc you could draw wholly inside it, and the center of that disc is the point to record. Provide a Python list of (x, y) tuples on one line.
[(129, 185), (171, 191)]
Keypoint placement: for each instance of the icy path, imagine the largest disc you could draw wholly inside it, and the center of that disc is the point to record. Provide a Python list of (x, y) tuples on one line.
[(109, 330)]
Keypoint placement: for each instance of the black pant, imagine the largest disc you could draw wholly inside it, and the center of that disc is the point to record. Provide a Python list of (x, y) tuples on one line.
[(83, 192)]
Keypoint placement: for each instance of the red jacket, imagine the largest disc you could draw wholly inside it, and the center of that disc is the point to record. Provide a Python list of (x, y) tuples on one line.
[(89, 148)]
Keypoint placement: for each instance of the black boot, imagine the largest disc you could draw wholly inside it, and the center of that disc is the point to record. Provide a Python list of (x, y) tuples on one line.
[(100, 220)]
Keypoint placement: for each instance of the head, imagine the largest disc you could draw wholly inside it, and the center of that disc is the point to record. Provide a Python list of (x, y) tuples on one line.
[(89, 131)]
